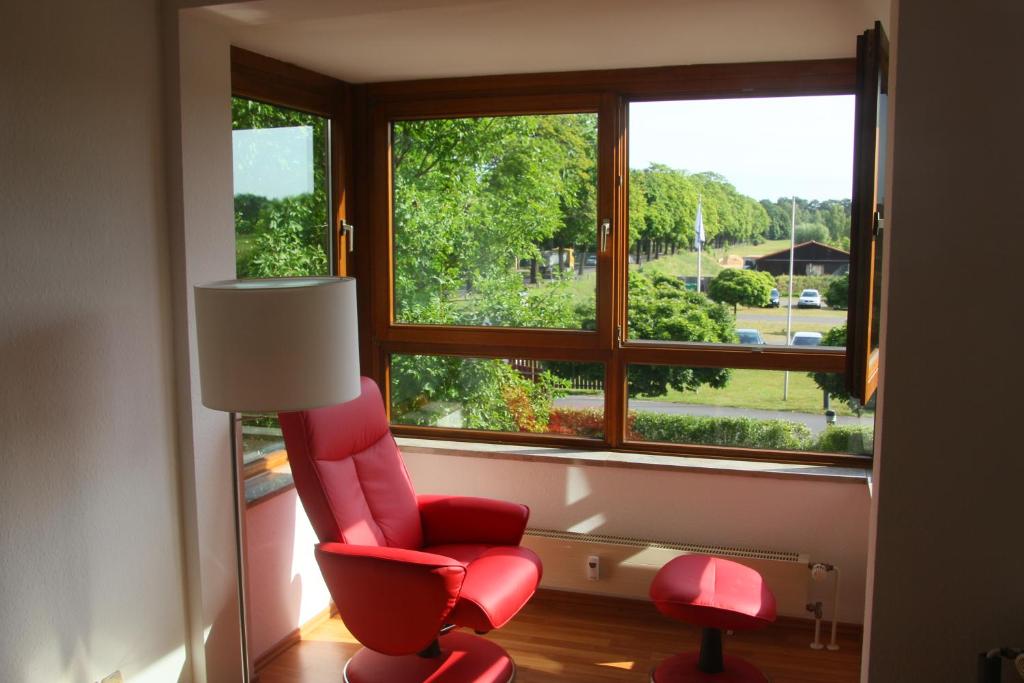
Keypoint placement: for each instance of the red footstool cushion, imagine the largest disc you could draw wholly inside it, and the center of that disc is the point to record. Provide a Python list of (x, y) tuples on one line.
[(713, 593)]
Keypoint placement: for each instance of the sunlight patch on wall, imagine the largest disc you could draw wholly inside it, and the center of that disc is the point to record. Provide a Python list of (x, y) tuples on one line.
[(577, 487), (589, 524)]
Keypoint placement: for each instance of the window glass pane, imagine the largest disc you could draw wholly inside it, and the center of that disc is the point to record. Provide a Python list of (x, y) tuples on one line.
[(504, 395), (495, 221), (882, 119), (282, 206), (765, 409), (282, 210), (711, 218), (264, 460)]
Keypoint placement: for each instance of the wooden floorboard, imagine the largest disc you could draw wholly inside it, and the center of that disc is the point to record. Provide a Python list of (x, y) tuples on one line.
[(583, 638)]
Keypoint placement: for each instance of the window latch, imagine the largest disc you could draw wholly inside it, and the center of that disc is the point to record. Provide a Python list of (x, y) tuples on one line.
[(347, 230), (606, 229), (879, 222)]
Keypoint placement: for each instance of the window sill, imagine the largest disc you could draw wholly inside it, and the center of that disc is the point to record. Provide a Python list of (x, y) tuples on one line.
[(267, 485), (644, 461)]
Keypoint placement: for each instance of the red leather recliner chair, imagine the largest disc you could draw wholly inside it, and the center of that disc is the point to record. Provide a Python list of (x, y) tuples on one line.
[(403, 569)]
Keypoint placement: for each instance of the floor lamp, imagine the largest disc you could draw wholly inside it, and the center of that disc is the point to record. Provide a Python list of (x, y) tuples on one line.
[(273, 345)]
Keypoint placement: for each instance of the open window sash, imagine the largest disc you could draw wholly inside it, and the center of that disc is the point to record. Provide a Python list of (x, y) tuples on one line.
[(867, 213)]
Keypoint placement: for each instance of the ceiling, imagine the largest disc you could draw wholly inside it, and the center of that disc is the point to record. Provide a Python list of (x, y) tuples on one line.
[(384, 40)]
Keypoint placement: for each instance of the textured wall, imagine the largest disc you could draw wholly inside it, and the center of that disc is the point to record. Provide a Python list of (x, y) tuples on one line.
[(948, 569), (90, 549)]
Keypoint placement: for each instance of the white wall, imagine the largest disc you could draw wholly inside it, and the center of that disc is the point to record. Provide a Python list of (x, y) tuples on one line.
[(202, 249), (91, 575), (948, 568), (826, 519), (286, 589)]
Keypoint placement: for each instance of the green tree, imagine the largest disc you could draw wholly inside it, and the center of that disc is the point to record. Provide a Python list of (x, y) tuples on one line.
[(806, 232), (289, 236), (662, 309), (831, 382), (474, 197), (747, 287)]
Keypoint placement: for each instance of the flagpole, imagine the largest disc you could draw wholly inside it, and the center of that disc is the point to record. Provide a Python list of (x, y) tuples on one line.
[(789, 313), (698, 228)]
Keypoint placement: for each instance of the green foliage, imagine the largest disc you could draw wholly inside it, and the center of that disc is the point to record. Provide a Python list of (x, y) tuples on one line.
[(838, 293), (661, 309), (587, 422), (282, 237), (806, 232), (832, 382), (490, 393), (474, 197), (846, 439), (802, 282), (832, 215), (735, 286), (741, 432), (663, 209), (283, 246)]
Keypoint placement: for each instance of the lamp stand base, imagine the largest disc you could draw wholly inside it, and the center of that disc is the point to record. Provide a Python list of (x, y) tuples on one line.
[(464, 658)]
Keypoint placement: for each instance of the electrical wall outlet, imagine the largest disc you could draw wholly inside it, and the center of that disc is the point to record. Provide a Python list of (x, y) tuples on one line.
[(593, 567), (115, 677)]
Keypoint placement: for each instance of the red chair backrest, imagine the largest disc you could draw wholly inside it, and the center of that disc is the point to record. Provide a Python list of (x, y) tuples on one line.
[(349, 473)]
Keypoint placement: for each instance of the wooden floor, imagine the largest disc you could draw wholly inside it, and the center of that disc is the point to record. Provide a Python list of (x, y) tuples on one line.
[(582, 638)]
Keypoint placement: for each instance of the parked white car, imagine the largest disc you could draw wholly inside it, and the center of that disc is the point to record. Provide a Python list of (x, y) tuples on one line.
[(806, 339), (809, 298)]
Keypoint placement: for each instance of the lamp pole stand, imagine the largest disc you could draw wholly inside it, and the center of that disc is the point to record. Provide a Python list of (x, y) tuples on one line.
[(238, 503)]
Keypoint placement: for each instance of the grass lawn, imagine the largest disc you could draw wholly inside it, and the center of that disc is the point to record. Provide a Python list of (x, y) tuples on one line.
[(681, 263), (761, 390), (769, 247)]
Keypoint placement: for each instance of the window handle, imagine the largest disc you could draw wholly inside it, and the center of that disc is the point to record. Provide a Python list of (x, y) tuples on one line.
[(606, 229), (347, 230)]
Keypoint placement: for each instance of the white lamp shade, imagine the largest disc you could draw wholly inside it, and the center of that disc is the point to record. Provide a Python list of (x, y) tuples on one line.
[(278, 344)]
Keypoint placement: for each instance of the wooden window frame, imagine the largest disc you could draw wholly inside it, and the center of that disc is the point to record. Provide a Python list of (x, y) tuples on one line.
[(267, 80), (867, 212), (609, 93)]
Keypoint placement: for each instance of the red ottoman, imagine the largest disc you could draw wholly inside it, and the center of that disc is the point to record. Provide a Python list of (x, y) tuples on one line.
[(714, 594)]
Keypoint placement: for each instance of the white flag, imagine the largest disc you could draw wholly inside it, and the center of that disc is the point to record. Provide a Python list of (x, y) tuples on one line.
[(698, 227)]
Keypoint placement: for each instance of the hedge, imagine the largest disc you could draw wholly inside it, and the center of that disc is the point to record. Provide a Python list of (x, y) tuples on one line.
[(846, 439), (741, 432)]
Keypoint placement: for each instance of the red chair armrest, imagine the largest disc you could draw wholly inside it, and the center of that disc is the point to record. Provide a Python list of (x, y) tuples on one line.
[(393, 600), (461, 519)]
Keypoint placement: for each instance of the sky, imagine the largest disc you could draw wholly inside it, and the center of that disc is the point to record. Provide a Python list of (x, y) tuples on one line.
[(767, 147)]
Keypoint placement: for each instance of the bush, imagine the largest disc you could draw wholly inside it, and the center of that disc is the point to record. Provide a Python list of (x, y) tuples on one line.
[(747, 287), (577, 422), (742, 432), (846, 439), (838, 292)]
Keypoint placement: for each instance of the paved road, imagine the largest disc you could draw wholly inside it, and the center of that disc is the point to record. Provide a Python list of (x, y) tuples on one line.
[(838, 319), (816, 422)]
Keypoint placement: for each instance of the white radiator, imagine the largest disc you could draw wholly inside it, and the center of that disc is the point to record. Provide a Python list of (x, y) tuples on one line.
[(628, 564)]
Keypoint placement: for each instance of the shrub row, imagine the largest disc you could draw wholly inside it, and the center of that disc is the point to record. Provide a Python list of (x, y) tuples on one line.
[(741, 432)]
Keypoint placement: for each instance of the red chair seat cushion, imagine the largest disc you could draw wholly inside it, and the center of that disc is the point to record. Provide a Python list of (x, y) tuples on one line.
[(713, 593), (499, 581)]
